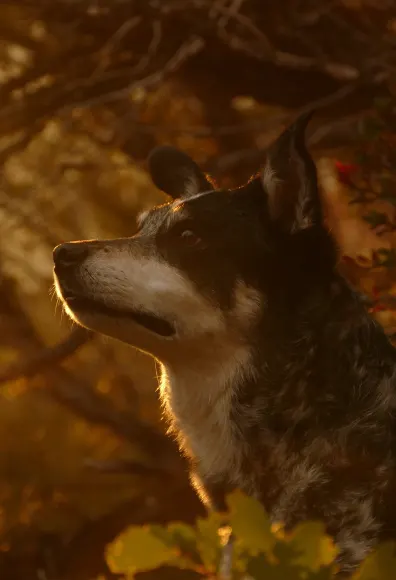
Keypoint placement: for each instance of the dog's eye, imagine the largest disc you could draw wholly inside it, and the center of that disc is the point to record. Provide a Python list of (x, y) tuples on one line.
[(190, 238)]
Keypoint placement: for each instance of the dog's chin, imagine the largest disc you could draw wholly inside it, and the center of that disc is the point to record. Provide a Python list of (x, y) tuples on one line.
[(110, 320)]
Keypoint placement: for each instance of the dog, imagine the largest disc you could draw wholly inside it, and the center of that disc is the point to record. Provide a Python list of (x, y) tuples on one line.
[(275, 380)]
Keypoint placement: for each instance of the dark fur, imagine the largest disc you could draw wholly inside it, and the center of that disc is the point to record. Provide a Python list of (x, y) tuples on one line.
[(316, 426)]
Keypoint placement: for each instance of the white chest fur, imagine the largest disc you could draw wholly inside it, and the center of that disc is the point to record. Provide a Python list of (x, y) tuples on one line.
[(198, 403)]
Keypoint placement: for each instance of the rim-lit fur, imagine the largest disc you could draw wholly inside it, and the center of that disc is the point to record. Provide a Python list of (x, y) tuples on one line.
[(274, 378)]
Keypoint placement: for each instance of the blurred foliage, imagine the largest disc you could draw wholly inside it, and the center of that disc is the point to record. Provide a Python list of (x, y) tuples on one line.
[(87, 88), (304, 553)]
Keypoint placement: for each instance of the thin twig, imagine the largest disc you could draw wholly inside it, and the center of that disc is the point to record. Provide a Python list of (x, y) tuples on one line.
[(188, 49), (113, 42), (337, 70), (151, 50)]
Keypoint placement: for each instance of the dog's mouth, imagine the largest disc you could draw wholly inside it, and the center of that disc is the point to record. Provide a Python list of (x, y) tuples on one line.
[(149, 321)]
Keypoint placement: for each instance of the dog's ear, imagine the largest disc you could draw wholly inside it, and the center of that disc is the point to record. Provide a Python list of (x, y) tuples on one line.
[(290, 180), (175, 173)]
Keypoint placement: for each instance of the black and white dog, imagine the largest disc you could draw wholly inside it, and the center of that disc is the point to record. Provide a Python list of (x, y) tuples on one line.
[(274, 377)]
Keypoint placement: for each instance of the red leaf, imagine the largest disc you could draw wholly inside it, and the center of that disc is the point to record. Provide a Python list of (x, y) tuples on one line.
[(378, 308), (345, 170)]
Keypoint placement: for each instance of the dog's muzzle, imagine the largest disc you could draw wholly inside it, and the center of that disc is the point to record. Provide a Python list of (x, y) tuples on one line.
[(68, 258)]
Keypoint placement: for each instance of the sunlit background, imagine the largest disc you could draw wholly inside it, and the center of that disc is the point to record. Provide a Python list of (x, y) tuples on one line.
[(87, 88)]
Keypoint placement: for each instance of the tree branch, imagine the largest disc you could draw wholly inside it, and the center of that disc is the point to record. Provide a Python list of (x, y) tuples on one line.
[(48, 357)]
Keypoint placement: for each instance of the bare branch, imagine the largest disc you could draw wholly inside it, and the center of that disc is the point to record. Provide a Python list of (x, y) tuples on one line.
[(48, 357), (261, 47), (188, 49), (151, 50), (98, 409), (110, 46)]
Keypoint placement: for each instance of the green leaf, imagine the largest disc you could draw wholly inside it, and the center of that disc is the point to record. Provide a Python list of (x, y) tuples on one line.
[(182, 540), (375, 218), (138, 549), (209, 546), (314, 546), (250, 523), (285, 566), (380, 565), (260, 568), (182, 534), (322, 574), (186, 538)]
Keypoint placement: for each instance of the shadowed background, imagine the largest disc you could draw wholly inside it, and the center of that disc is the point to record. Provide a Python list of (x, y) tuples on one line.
[(87, 88)]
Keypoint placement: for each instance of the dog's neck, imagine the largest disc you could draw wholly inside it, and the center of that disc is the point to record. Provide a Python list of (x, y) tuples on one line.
[(290, 377), (198, 394)]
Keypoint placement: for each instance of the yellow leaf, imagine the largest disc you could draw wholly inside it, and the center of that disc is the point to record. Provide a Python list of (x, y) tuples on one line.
[(315, 547), (138, 549), (250, 523), (380, 565)]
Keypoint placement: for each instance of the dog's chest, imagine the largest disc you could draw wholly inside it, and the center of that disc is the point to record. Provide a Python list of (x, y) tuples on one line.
[(200, 413)]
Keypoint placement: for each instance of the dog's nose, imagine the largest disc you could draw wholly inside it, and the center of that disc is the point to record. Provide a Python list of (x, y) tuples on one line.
[(70, 253)]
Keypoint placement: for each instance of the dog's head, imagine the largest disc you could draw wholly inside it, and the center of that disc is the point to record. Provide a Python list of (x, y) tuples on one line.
[(204, 264)]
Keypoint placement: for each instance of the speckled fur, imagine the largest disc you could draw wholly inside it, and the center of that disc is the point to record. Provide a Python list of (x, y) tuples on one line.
[(283, 385)]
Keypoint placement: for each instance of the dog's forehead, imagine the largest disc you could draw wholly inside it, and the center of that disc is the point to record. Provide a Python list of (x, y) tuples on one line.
[(170, 213), (150, 220), (182, 203), (159, 217)]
